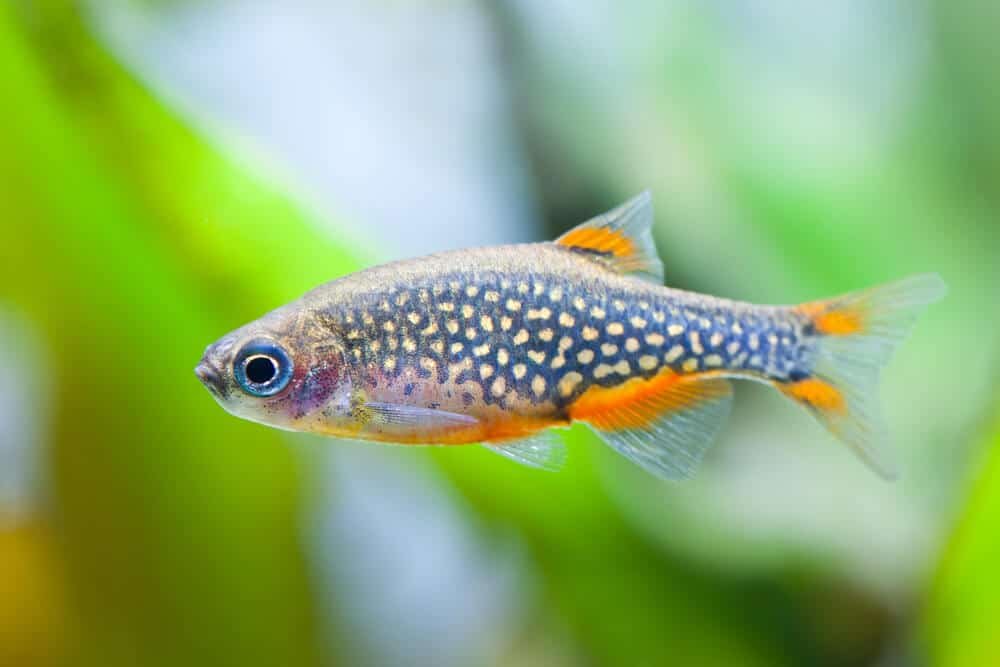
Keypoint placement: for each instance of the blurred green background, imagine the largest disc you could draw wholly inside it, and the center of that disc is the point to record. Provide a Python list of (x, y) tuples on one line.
[(171, 170)]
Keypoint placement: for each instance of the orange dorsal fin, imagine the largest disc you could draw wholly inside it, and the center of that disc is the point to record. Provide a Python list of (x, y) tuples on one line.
[(664, 423), (620, 239)]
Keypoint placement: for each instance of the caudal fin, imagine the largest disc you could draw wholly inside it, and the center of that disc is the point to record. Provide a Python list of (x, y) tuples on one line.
[(855, 336)]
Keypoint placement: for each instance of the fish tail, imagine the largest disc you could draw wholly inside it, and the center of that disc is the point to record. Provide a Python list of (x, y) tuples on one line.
[(853, 337)]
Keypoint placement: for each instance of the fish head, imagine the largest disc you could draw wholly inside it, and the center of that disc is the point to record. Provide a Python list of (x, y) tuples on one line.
[(286, 369)]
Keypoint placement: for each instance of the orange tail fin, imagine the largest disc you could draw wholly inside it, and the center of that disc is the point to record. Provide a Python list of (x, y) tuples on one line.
[(856, 335)]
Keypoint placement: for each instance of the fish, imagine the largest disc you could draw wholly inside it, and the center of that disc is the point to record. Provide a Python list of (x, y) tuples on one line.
[(505, 345)]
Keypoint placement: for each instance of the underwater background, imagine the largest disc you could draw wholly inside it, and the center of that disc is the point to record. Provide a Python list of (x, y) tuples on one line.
[(171, 169)]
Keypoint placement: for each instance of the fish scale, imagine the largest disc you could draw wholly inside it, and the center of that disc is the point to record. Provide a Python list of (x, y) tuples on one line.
[(534, 328), (496, 345)]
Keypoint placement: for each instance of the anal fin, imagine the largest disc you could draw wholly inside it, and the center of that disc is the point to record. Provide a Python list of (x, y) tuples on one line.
[(664, 424)]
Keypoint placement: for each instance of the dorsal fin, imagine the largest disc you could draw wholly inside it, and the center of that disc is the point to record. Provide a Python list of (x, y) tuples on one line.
[(620, 239)]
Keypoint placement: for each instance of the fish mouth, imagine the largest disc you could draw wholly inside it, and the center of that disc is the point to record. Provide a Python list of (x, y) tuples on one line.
[(210, 377)]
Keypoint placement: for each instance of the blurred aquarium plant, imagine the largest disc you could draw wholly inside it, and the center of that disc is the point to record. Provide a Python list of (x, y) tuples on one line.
[(785, 166)]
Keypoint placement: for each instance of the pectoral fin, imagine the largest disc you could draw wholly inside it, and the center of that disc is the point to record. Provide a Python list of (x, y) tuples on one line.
[(426, 418)]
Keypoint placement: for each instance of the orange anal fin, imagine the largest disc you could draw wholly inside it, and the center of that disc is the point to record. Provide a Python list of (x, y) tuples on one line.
[(640, 401), (664, 423)]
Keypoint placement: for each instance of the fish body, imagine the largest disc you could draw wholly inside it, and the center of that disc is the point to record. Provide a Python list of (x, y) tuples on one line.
[(497, 345)]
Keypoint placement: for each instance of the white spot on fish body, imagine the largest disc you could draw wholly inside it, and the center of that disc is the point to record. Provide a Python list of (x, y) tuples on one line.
[(673, 354), (569, 382), (695, 339), (602, 371)]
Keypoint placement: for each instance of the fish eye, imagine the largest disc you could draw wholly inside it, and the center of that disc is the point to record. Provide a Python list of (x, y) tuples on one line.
[(262, 368)]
